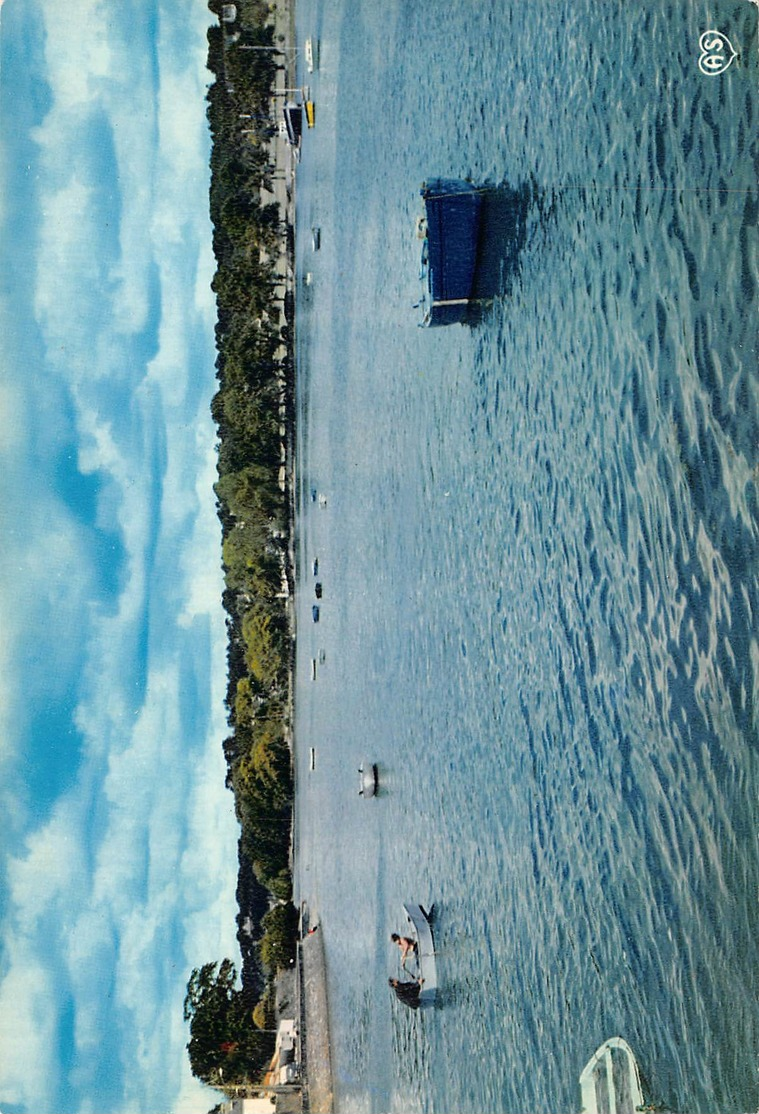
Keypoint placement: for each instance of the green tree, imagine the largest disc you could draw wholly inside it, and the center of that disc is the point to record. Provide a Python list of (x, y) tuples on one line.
[(244, 702), (253, 493), (255, 369), (264, 1014), (265, 652), (280, 925), (222, 1036)]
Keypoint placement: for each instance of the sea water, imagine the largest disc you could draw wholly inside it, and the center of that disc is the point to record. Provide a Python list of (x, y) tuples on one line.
[(538, 545)]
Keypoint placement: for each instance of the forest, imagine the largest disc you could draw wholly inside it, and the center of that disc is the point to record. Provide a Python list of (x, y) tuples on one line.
[(253, 409)]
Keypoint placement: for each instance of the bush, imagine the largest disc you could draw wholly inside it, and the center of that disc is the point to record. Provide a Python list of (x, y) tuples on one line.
[(264, 1015), (278, 943)]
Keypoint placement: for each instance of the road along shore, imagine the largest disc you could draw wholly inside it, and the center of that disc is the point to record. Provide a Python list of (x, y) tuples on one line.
[(315, 1049), (316, 1062)]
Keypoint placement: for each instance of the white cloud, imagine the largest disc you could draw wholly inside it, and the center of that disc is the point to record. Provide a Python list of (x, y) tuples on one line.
[(130, 881), (102, 76), (76, 61), (8, 690), (134, 143), (53, 865), (28, 1019), (45, 587), (201, 560), (13, 412), (153, 907), (87, 952), (66, 238)]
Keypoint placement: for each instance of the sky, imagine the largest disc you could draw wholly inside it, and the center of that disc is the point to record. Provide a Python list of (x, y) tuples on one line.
[(118, 856)]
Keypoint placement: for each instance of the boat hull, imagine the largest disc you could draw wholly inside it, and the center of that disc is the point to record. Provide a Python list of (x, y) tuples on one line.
[(293, 114), (453, 212), (610, 1081), (368, 779), (311, 51), (421, 932)]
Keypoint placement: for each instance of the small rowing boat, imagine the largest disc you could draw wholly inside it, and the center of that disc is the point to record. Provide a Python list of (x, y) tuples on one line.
[(610, 1081), (419, 921), (368, 779)]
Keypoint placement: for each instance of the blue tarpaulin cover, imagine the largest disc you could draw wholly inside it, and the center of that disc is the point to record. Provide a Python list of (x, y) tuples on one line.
[(453, 222)]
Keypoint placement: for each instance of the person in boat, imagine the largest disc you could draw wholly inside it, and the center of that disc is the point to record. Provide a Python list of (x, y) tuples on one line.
[(407, 992), (407, 946)]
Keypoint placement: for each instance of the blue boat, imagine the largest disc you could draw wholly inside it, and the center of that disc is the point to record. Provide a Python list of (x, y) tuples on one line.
[(451, 232)]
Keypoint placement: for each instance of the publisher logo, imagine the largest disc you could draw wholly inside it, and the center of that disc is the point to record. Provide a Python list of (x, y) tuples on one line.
[(716, 53)]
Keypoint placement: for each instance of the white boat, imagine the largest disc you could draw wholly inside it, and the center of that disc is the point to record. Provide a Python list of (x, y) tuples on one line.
[(311, 51), (368, 779), (421, 932), (610, 1081)]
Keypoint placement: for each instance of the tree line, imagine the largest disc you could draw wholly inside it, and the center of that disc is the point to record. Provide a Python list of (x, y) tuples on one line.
[(253, 408)]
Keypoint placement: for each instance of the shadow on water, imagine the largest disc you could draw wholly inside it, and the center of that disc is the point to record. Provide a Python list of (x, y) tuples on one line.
[(457, 993), (503, 234)]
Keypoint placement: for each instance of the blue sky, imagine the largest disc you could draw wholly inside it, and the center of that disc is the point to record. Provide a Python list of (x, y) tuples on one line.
[(119, 849)]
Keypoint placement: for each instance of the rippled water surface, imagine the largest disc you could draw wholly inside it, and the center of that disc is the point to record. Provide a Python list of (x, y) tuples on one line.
[(539, 553)]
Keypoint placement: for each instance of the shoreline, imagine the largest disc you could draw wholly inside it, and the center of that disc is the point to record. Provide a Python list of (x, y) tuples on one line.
[(311, 994), (316, 1060)]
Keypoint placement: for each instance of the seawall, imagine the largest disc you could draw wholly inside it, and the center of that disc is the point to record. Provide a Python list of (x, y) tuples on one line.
[(316, 1066), (316, 1045)]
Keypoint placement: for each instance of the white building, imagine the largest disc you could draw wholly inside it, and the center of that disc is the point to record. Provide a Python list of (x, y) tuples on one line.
[(264, 1105)]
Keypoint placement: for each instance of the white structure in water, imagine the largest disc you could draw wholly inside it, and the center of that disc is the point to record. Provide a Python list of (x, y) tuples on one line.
[(610, 1081)]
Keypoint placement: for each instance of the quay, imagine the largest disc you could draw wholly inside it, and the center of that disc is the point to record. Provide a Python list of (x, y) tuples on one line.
[(301, 998), (314, 1093), (315, 1043), (302, 1012)]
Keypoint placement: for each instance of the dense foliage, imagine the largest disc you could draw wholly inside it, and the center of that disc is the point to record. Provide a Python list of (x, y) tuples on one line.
[(231, 1038), (253, 409), (224, 1046)]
